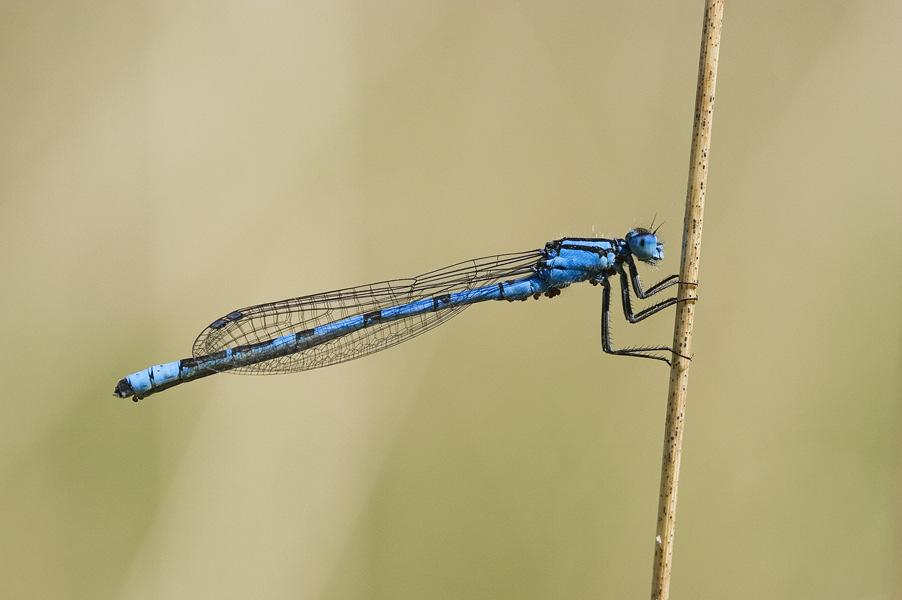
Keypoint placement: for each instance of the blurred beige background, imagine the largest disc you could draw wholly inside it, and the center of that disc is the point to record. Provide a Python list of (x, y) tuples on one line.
[(164, 163)]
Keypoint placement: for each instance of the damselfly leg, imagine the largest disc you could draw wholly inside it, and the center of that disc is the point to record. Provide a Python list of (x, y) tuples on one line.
[(639, 352), (661, 285), (647, 312)]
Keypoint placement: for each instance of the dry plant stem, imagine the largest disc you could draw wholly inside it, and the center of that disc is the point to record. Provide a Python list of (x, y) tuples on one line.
[(682, 332)]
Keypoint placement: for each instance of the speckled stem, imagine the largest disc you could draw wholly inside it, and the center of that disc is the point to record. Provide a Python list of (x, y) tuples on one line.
[(682, 332)]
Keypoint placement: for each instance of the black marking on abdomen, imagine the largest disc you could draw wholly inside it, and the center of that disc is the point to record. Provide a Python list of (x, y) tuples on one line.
[(124, 389), (372, 317), (300, 335), (187, 363), (222, 322), (441, 301), (251, 347), (501, 290)]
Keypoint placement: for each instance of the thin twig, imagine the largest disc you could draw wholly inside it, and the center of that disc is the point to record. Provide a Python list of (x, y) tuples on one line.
[(682, 331)]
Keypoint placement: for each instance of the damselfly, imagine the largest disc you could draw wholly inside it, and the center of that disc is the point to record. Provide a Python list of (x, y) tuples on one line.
[(332, 327)]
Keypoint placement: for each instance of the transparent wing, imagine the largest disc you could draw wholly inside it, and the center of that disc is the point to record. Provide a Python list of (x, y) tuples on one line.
[(264, 322)]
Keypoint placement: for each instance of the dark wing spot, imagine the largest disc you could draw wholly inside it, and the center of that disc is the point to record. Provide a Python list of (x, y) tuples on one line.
[(232, 316)]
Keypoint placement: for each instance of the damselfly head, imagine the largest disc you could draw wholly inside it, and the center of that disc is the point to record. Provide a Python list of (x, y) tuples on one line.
[(644, 245)]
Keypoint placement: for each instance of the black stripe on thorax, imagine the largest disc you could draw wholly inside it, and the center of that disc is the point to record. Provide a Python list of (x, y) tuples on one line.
[(593, 249)]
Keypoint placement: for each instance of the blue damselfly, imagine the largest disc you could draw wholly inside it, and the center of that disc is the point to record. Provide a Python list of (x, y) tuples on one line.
[(324, 329)]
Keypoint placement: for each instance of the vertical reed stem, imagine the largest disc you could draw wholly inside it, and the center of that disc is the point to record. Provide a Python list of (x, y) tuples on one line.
[(682, 331)]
